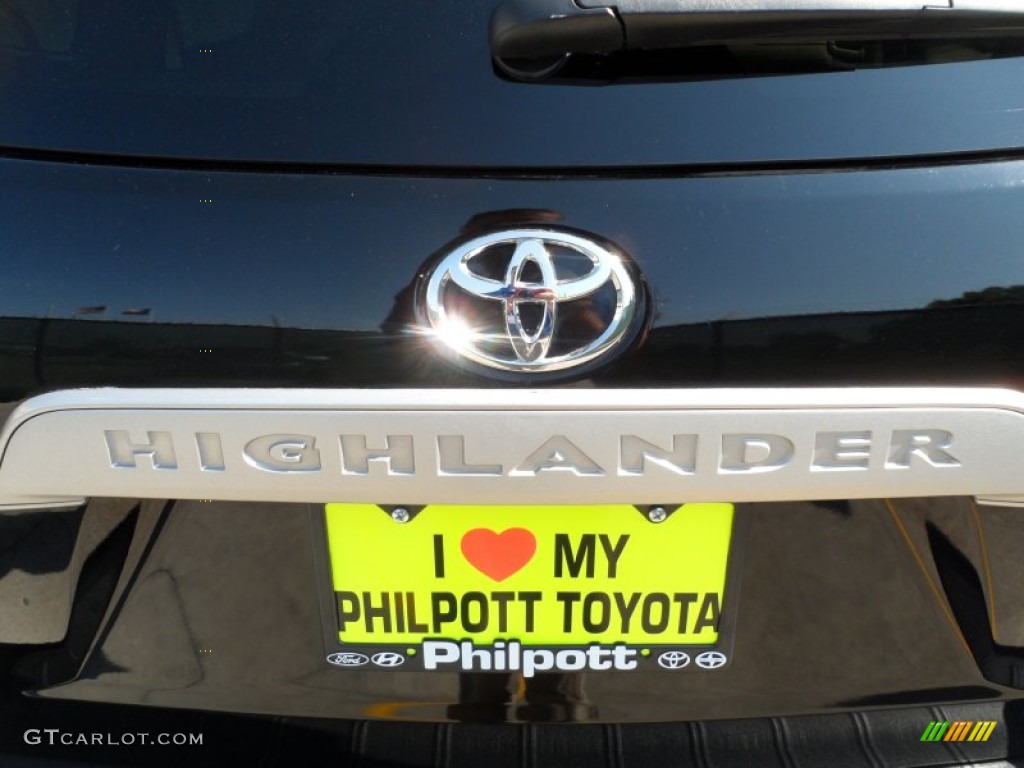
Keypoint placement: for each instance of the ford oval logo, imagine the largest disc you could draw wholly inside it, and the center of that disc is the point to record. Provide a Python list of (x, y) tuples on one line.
[(533, 301), (347, 659)]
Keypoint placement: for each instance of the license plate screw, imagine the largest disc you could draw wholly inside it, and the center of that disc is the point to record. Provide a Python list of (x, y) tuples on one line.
[(400, 515), (657, 514)]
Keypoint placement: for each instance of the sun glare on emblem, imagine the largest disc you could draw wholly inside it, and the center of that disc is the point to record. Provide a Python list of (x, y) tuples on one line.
[(533, 301)]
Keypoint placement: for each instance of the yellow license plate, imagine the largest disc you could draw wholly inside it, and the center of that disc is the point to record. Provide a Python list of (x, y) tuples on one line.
[(527, 588)]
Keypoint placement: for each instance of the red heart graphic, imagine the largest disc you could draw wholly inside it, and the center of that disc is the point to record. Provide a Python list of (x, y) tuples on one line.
[(498, 555)]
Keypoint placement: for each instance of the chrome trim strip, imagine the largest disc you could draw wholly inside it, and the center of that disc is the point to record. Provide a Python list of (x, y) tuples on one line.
[(42, 504), (526, 446)]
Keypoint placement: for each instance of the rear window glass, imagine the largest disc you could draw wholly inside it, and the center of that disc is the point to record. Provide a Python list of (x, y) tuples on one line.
[(44, 25), (53, 26), (412, 82), (180, 45)]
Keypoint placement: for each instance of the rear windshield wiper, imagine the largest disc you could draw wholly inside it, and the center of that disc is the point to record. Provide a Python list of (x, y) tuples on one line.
[(540, 29)]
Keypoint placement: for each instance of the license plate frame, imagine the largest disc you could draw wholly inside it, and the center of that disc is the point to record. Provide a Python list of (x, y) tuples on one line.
[(509, 652)]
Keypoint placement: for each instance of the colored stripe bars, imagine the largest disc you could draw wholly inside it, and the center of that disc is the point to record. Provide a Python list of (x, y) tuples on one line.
[(959, 730)]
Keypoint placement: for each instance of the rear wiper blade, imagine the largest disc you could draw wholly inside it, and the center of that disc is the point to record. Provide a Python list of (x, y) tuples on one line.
[(539, 29)]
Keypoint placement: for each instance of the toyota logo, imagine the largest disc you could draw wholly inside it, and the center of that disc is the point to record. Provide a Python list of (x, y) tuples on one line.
[(533, 301), (673, 659), (388, 659), (710, 660)]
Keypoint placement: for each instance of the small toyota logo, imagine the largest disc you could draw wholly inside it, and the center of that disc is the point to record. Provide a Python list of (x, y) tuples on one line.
[(673, 660), (388, 659), (533, 301), (347, 659), (710, 660)]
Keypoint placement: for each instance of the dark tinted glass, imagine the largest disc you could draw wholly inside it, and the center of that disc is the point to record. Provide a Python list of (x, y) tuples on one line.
[(236, 48), (411, 82)]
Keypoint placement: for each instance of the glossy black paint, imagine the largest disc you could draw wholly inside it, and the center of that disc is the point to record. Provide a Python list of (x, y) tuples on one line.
[(47, 557), (36, 574), (152, 277), (164, 264), (222, 613), (391, 84)]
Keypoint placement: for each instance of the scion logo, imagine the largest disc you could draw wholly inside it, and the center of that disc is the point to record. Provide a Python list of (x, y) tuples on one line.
[(711, 660), (533, 301)]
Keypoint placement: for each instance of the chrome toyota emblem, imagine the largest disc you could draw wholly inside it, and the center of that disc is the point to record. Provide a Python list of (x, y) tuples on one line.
[(674, 659), (533, 300)]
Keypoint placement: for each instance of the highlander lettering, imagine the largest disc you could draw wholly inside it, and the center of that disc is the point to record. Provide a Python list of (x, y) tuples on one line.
[(634, 453), (927, 444), (739, 453), (122, 450), (841, 450), (211, 452), (283, 453), (397, 453), (558, 453), (755, 453), (451, 458)]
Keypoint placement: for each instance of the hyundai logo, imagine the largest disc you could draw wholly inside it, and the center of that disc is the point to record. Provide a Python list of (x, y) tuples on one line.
[(388, 659)]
